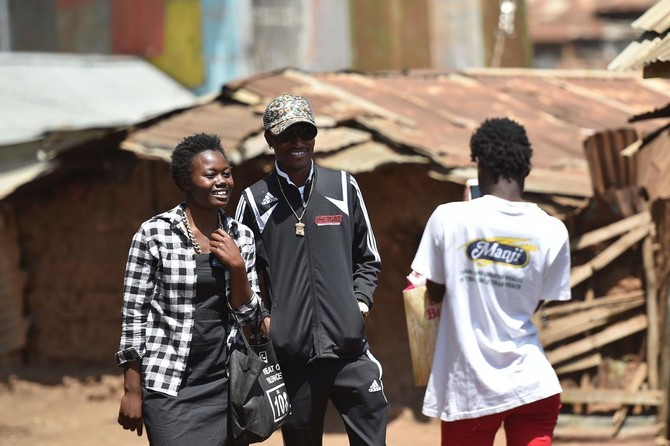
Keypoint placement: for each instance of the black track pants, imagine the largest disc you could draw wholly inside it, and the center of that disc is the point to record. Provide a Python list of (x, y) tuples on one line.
[(355, 388)]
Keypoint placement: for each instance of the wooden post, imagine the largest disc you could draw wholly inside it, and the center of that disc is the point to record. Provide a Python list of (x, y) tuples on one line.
[(634, 384), (652, 311), (584, 384), (664, 410), (517, 50)]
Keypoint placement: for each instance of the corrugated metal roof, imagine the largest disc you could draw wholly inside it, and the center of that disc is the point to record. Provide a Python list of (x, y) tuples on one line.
[(560, 21), (649, 48), (47, 92), (653, 165), (652, 46), (431, 114), (608, 169), (622, 6), (554, 21), (662, 112), (563, 21), (656, 18)]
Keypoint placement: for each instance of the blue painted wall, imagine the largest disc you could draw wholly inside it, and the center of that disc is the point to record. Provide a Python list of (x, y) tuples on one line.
[(226, 42)]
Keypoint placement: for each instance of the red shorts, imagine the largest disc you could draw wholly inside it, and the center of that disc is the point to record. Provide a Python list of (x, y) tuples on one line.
[(529, 425)]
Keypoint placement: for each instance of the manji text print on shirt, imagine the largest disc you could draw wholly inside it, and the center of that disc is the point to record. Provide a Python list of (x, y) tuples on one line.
[(501, 252)]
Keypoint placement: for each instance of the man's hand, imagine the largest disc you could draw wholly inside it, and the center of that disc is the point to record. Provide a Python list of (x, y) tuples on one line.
[(435, 291), (265, 326), (365, 310)]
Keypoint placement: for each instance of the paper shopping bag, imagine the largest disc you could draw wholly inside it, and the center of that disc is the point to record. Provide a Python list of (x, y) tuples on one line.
[(423, 318)]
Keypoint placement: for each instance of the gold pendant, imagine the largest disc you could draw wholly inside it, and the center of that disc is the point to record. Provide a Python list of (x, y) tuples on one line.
[(300, 229)]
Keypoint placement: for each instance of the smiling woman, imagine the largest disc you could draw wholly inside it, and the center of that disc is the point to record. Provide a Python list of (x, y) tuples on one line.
[(187, 269)]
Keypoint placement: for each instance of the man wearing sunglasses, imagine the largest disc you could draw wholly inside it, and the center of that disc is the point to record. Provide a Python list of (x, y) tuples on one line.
[(318, 261)]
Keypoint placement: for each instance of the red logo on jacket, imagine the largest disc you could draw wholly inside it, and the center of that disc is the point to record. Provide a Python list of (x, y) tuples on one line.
[(328, 220)]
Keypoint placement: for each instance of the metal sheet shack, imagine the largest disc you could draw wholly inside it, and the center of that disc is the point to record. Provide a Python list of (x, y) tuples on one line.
[(405, 136)]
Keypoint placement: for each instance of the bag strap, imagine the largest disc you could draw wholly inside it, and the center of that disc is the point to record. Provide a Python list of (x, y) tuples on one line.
[(255, 329), (237, 329)]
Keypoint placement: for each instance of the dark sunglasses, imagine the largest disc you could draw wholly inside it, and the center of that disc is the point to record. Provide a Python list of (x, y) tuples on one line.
[(305, 132)]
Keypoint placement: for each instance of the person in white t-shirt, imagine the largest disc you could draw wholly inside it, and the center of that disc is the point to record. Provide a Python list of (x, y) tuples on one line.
[(492, 262)]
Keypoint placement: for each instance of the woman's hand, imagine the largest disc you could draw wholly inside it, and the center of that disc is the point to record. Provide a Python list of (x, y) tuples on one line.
[(265, 326), (222, 245), (130, 412)]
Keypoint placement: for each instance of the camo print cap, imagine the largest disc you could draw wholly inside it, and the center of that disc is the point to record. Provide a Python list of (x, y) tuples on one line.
[(286, 110)]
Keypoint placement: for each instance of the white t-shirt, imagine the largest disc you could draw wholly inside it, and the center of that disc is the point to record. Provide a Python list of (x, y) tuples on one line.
[(497, 260)]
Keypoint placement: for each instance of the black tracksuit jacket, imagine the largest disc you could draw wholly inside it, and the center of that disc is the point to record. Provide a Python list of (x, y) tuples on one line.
[(315, 281)]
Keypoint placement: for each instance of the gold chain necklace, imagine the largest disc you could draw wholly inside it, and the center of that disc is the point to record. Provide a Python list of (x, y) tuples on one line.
[(191, 236), (299, 226)]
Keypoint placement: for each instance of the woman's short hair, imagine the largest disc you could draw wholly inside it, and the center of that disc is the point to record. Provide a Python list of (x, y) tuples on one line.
[(182, 156), (502, 145)]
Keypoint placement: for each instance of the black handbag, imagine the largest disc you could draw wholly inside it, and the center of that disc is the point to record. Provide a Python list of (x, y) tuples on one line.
[(258, 398)]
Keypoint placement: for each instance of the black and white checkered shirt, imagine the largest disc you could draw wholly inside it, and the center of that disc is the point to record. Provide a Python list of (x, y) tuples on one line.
[(158, 292)]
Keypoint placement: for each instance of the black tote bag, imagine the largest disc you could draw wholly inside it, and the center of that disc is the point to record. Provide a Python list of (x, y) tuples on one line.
[(258, 397)]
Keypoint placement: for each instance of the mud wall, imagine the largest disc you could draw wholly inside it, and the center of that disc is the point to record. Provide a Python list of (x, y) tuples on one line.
[(13, 324), (75, 230)]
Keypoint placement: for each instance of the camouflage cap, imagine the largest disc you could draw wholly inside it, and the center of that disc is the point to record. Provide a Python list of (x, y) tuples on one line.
[(286, 110)]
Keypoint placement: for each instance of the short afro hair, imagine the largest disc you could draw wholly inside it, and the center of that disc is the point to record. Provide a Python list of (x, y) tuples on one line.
[(502, 145), (187, 149)]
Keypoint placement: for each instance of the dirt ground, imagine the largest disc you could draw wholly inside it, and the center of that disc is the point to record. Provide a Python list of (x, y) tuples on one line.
[(54, 407)]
